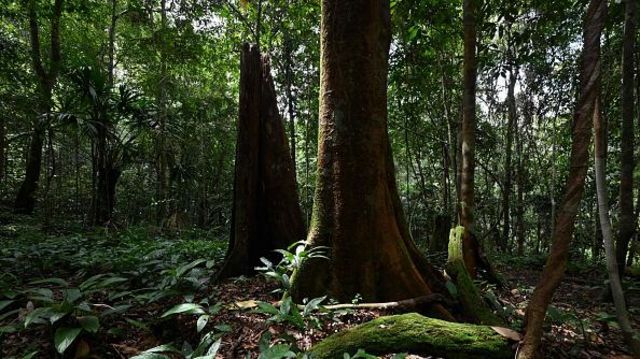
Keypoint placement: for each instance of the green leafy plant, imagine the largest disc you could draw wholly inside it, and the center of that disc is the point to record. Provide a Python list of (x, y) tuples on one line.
[(292, 259), (71, 315), (207, 348)]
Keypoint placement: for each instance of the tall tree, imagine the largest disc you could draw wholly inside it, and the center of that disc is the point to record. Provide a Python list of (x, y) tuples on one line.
[(470, 246), (25, 200), (105, 175), (266, 213), (627, 164), (555, 266), (357, 212), (508, 169), (605, 222)]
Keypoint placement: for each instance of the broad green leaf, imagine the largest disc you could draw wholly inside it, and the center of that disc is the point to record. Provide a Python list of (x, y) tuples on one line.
[(58, 281), (267, 308), (30, 355), (64, 337), (111, 281), (278, 351), (185, 268), (89, 323), (202, 322), (155, 352), (212, 351), (8, 329), (223, 327), (5, 303), (313, 305), (37, 315), (42, 292), (72, 294), (184, 308)]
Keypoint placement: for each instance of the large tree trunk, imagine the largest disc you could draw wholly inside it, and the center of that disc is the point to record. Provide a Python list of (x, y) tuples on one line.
[(266, 214), (357, 211), (554, 268), (627, 218), (25, 200), (607, 234)]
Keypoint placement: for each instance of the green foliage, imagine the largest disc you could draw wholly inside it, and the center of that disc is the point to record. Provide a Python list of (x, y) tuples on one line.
[(143, 270), (292, 258)]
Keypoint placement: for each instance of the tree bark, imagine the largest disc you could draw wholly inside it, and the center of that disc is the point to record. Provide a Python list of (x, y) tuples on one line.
[(291, 100), (473, 306), (555, 266), (266, 214), (627, 163), (467, 177), (25, 199), (357, 211), (607, 234), (508, 171), (520, 136), (163, 209)]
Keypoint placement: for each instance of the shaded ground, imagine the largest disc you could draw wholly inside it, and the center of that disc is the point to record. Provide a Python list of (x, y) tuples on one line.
[(142, 275)]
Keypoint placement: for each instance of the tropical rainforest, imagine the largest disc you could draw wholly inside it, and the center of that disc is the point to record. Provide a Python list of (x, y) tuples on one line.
[(319, 179)]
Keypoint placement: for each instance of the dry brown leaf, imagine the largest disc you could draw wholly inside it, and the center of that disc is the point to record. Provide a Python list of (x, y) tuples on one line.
[(508, 333), (245, 304)]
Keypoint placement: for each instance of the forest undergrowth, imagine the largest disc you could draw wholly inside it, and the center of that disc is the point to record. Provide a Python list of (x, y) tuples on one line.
[(138, 293)]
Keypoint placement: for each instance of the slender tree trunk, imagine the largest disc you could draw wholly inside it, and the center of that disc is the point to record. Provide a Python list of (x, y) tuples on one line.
[(25, 200), (555, 266), (451, 145), (357, 211), (161, 142), (106, 175), (3, 147), (607, 234), (554, 175), (598, 240), (627, 163), (467, 180), (508, 170), (112, 41), (520, 135), (266, 214), (291, 101)]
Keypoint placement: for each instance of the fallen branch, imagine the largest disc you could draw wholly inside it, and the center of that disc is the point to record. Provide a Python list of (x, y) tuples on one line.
[(401, 305)]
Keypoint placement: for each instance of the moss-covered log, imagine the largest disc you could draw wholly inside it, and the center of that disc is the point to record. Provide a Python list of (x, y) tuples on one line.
[(473, 305), (415, 334)]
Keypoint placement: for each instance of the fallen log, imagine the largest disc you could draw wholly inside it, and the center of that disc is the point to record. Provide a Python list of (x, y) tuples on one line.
[(419, 335)]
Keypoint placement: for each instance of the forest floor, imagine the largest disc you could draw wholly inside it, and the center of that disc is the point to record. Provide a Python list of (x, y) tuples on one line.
[(115, 294)]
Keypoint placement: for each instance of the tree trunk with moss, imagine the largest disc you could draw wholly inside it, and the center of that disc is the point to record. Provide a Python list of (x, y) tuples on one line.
[(266, 214), (415, 334), (473, 306), (357, 211), (555, 266)]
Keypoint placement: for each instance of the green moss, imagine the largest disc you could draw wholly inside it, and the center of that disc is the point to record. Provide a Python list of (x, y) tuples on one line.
[(472, 302), (415, 334)]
